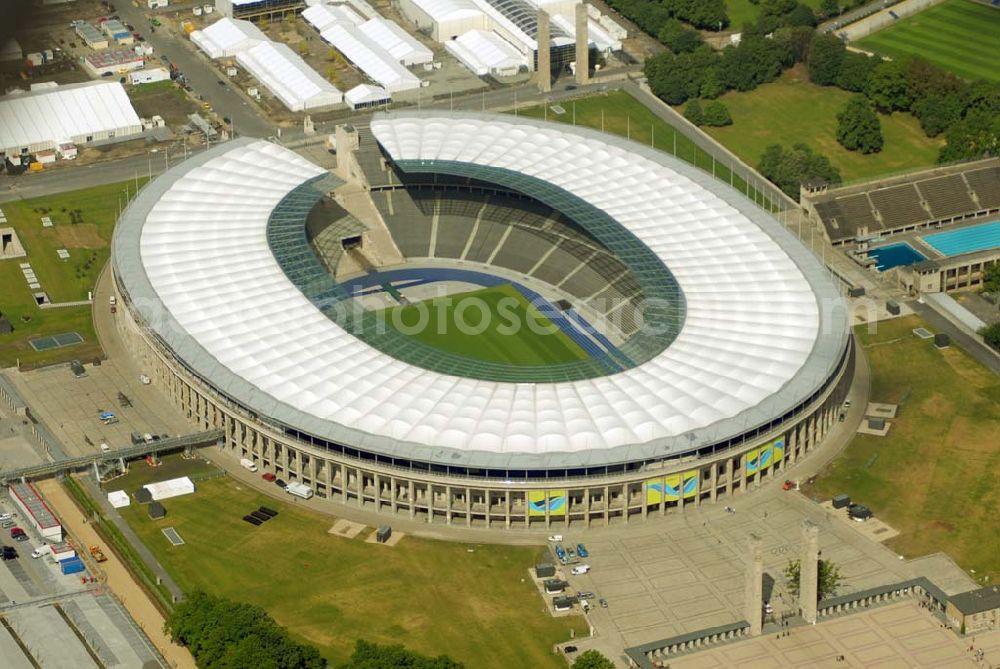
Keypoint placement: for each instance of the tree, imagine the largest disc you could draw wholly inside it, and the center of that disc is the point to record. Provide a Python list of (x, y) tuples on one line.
[(592, 659), (937, 113), (664, 79), (828, 582), (222, 634), (711, 86), (854, 71), (975, 136), (991, 279), (991, 335), (716, 114), (858, 127), (826, 54), (801, 15), (679, 38), (829, 8), (703, 14), (888, 88), (369, 655), (694, 113), (787, 169)]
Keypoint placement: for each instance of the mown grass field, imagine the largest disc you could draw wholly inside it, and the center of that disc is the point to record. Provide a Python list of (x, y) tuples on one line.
[(960, 35), (619, 113), (936, 476), (88, 242), (472, 602), (493, 324), (792, 110)]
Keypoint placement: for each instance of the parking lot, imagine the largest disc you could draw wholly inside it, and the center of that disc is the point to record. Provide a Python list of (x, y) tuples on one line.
[(684, 573)]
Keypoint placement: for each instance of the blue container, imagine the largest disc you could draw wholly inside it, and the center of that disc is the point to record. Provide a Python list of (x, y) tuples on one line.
[(72, 566)]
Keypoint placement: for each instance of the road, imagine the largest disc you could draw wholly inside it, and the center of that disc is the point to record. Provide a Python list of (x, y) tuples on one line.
[(201, 75), (119, 580)]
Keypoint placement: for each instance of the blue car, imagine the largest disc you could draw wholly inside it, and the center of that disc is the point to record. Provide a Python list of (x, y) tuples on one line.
[(581, 550), (560, 553)]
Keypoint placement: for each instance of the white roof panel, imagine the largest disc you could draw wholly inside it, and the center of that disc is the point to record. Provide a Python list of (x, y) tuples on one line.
[(449, 10), (484, 52), (286, 75), (401, 45), (371, 58), (322, 17), (227, 37), (753, 346), (64, 112), (363, 93)]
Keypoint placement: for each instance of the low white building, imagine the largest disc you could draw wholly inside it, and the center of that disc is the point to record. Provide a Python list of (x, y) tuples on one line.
[(111, 62), (35, 511), (149, 76), (401, 45), (371, 58), (444, 20), (81, 114), (171, 488), (118, 499), (365, 96)]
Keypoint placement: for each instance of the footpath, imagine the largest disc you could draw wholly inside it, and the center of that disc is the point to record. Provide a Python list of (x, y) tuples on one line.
[(119, 580)]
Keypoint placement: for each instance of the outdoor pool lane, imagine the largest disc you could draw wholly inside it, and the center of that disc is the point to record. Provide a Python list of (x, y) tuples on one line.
[(966, 240), (895, 255)]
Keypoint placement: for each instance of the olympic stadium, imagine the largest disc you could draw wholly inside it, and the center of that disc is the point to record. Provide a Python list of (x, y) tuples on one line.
[(694, 347)]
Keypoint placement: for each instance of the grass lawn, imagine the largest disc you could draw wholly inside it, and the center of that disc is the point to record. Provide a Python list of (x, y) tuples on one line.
[(619, 113), (959, 35), (472, 602), (936, 476), (792, 110), (88, 243), (164, 98), (493, 324)]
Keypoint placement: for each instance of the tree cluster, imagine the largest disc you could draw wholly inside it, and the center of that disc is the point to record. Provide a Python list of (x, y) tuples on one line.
[(966, 113), (828, 582), (222, 634), (592, 659), (788, 168), (991, 335), (369, 655), (858, 127), (714, 114), (652, 15)]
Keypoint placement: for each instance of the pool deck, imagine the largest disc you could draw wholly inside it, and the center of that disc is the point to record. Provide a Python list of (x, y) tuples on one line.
[(916, 238)]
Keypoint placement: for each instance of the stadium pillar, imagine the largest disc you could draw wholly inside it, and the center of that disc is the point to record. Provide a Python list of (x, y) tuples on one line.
[(413, 501), (754, 599), (544, 68), (582, 45), (809, 572), (468, 507)]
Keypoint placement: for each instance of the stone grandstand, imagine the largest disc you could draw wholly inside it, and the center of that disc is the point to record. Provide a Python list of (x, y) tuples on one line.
[(926, 199), (504, 230)]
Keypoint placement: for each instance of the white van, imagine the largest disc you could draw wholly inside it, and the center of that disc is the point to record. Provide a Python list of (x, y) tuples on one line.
[(585, 605), (44, 549), (248, 465), (580, 569)]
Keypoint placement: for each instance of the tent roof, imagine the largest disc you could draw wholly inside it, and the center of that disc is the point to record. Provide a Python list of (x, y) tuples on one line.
[(286, 75), (366, 93), (51, 114), (449, 10), (370, 56), (400, 44), (322, 17), (482, 51), (227, 37)]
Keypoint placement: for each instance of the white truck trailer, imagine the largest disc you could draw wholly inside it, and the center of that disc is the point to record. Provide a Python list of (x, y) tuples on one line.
[(299, 490)]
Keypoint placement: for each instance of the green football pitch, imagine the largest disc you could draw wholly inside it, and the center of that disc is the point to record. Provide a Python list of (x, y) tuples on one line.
[(960, 35), (495, 324)]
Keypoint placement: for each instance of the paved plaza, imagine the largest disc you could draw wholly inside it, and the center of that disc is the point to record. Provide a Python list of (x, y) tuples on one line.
[(900, 635)]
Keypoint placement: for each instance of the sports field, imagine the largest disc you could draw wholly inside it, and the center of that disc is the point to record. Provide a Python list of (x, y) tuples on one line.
[(495, 324), (87, 240), (936, 476), (792, 110), (960, 35), (472, 602)]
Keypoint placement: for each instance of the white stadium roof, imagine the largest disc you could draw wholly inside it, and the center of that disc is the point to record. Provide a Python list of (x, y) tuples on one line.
[(228, 37), (484, 52), (64, 112), (286, 75), (400, 44), (371, 58), (194, 257)]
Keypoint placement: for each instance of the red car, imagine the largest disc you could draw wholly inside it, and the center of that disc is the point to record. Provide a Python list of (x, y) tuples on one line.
[(15, 532), (788, 485), (267, 476)]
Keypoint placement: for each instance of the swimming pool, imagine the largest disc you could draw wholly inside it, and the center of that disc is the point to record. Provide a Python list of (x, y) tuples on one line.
[(895, 255), (966, 240)]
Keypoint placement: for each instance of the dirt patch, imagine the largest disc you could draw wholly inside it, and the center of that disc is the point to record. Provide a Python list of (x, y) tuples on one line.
[(80, 236)]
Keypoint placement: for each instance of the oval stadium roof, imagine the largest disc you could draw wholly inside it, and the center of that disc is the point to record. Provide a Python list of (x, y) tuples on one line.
[(192, 254)]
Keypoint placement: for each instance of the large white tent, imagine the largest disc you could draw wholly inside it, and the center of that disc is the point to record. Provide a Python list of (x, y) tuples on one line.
[(79, 113), (118, 498), (401, 45), (228, 37), (170, 488), (371, 58), (363, 96), (486, 53), (446, 19), (322, 17), (286, 75)]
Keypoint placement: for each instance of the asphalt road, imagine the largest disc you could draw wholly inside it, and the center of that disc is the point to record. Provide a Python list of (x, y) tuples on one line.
[(202, 77)]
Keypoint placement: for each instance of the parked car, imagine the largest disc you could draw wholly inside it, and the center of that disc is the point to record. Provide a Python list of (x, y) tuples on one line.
[(9, 553), (6, 516), (586, 594), (787, 485), (560, 552), (580, 569), (15, 532), (603, 602), (268, 476), (555, 537), (569, 649), (280, 483), (8, 523), (581, 550), (859, 512), (768, 609)]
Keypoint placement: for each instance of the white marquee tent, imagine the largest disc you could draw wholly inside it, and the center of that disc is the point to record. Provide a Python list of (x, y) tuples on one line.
[(371, 58), (486, 53), (118, 498), (366, 95), (286, 75), (322, 17), (401, 45), (170, 488), (228, 37), (79, 113)]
